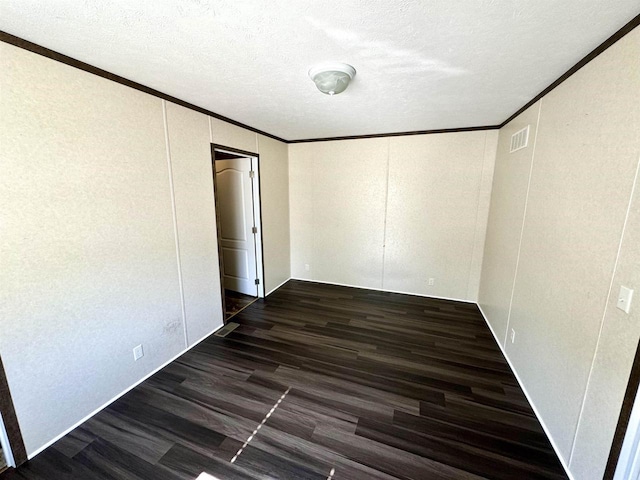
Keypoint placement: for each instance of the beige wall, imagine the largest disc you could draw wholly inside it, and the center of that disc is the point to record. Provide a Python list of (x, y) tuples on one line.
[(337, 198), (508, 198), (228, 135), (108, 236), (583, 164), (274, 194), (195, 217), (390, 213)]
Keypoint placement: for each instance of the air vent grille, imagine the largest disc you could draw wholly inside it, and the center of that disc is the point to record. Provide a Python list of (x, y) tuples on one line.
[(227, 329), (520, 139)]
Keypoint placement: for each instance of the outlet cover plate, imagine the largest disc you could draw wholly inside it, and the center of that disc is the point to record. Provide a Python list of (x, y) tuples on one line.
[(138, 353), (624, 299)]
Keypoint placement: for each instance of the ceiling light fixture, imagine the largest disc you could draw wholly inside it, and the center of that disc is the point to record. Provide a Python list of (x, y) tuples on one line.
[(332, 78)]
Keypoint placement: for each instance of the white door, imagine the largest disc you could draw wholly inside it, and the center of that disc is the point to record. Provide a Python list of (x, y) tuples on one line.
[(238, 242)]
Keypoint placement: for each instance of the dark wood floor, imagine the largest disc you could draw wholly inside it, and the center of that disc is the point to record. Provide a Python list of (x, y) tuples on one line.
[(378, 386)]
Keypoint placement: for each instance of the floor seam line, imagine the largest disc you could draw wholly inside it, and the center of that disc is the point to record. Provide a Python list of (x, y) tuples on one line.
[(255, 432)]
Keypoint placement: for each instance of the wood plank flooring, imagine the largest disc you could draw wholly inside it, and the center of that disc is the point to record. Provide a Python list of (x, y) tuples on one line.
[(380, 386)]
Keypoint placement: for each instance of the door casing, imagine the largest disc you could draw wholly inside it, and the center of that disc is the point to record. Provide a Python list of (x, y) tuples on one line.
[(10, 435), (257, 212)]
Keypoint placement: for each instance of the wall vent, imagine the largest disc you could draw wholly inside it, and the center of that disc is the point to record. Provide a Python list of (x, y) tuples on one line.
[(520, 139), (227, 329)]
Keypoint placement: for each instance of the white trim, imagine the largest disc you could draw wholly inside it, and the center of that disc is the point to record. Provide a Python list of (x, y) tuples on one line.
[(6, 446), (153, 372), (386, 210), (175, 221), (276, 288), (475, 249), (257, 221), (504, 353), (384, 290), (604, 312), (109, 402), (482, 215), (526, 394), (524, 218), (257, 217)]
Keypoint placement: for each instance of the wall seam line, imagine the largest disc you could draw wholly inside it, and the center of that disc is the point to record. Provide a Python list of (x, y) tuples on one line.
[(475, 230), (260, 217), (290, 203), (288, 210), (175, 220), (524, 217), (386, 212), (314, 237), (606, 306)]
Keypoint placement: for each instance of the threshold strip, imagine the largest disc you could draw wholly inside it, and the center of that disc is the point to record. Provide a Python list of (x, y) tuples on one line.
[(237, 312)]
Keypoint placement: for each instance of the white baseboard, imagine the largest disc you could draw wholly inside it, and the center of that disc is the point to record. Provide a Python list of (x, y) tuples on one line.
[(106, 404), (274, 289), (385, 290), (153, 372), (504, 353), (109, 402), (526, 394)]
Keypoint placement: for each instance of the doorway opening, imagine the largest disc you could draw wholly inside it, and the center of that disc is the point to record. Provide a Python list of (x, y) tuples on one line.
[(236, 178)]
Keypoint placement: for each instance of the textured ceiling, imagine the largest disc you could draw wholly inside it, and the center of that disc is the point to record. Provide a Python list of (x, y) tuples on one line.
[(421, 65)]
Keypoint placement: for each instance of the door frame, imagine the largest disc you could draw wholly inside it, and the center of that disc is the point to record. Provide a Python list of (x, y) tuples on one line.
[(628, 463), (10, 436), (626, 430), (257, 213)]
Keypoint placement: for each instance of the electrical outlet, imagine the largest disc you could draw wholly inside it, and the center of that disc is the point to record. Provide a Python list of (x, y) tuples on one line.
[(306, 267), (513, 336), (431, 282), (138, 353)]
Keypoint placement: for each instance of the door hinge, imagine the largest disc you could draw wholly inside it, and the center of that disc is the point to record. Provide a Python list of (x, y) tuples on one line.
[(254, 229), (257, 281), (252, 174)]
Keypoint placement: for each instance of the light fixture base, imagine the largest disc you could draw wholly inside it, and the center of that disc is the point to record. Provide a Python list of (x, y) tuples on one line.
[(332, 78)]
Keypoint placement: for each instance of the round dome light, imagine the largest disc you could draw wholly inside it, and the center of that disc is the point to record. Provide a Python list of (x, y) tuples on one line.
[(332, 78)]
